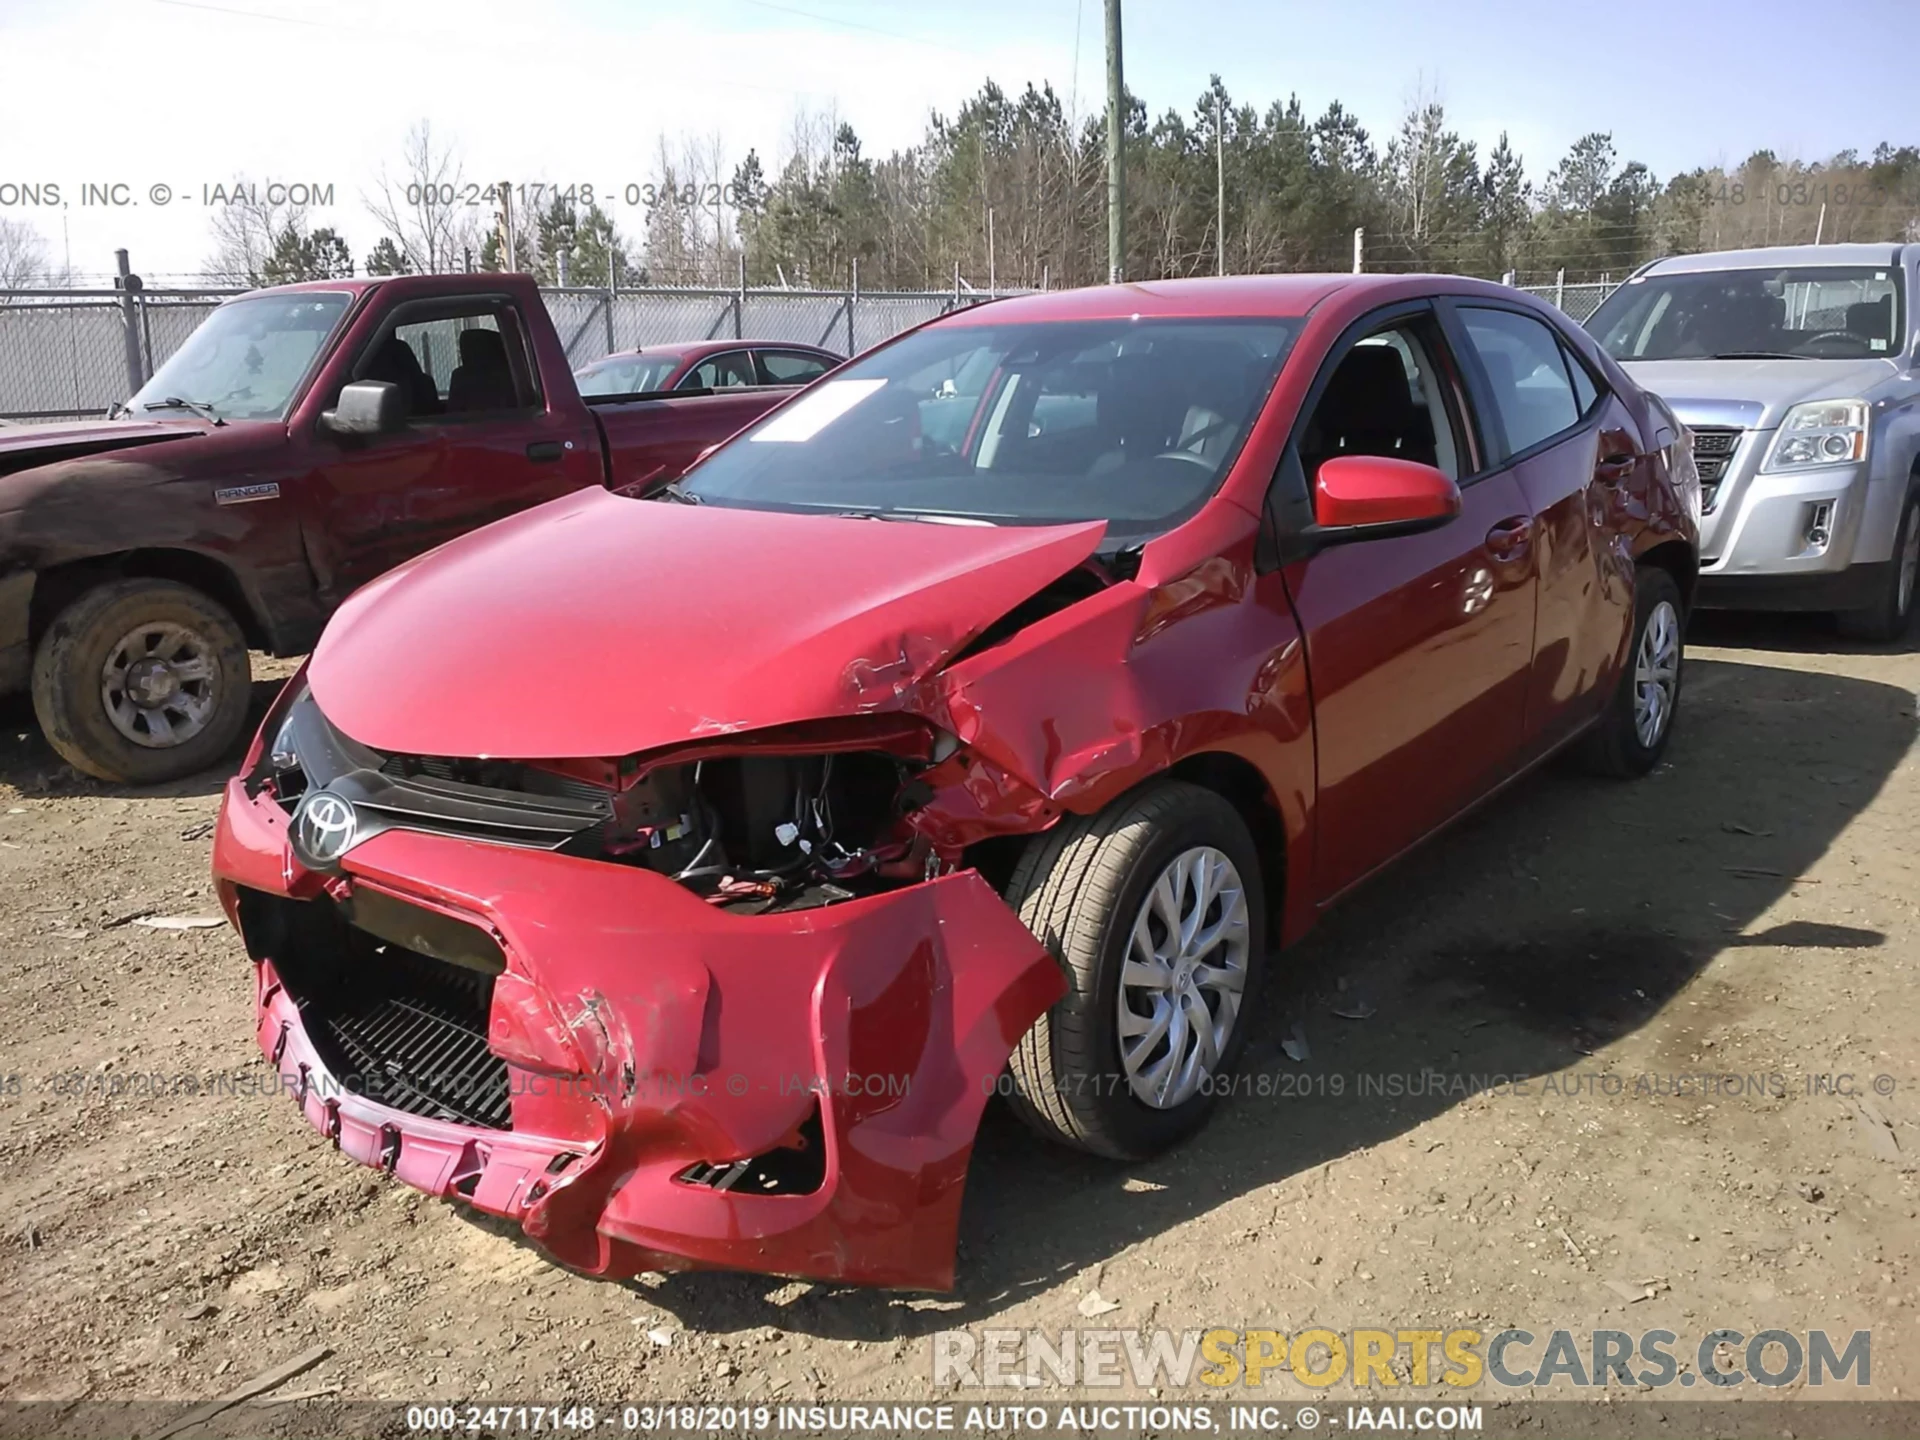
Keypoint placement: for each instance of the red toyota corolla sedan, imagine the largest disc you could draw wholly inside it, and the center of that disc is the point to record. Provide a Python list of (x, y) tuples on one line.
[(680, 876)]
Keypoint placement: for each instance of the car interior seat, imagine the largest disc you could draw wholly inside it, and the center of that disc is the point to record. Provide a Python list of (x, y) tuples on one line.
[(395, 363), (483, 380), (1368, 409), (1871, 319)]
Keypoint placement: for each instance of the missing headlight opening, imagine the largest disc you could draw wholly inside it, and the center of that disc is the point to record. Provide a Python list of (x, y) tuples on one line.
[(759, 832)]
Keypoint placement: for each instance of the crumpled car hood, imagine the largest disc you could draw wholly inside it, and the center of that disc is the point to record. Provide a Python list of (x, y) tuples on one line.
[(602, 626)]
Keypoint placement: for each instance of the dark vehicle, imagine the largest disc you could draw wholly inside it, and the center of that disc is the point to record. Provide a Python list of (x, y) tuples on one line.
[(705, 365), (304, 440)]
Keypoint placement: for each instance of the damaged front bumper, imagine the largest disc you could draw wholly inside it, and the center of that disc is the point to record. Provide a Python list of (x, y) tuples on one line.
[(640, 1079)]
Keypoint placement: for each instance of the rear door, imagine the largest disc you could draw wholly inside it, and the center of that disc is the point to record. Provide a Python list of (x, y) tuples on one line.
[(1575, 452), (1418, 646), (481, 440), (728, 370), (791, 367)]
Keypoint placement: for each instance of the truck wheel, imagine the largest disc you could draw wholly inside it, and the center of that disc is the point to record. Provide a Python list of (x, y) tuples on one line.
[(1155, 911), (1892, 612), (140, 681), (1632, 733)]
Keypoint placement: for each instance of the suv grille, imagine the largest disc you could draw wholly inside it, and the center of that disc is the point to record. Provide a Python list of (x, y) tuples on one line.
[(1713, 447)]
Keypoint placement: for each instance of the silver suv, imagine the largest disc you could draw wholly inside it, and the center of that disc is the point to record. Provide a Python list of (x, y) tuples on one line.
[(1798, 371)]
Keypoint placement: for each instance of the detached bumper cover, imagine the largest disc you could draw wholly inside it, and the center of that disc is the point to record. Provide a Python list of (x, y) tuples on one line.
[(646, 1032)]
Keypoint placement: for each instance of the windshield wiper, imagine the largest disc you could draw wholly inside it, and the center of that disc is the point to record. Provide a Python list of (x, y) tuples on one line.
[(1757, 355), (174, 402), (672, 491)]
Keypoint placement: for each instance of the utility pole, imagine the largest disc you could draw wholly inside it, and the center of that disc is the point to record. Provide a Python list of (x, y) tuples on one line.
[(1220, 174), (507, 256), (1359, 246), (1116, 151)]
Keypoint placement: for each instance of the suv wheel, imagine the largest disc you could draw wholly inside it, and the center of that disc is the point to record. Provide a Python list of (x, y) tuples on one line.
[(1890, 615), (1632, 733), (1154, 909), (141, 681)]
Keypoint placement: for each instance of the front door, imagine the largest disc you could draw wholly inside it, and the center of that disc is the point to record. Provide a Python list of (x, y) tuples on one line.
[(1418, 646), (480, 442)]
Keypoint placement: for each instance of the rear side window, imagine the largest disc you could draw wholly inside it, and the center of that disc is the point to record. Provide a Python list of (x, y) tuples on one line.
[(790, 367), (1527, 372), (721, 372)]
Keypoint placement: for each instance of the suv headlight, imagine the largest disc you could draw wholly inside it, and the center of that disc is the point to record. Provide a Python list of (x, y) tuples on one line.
[(1822, 432)]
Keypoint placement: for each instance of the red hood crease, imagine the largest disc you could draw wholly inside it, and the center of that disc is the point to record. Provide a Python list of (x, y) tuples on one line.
[(603, 626)]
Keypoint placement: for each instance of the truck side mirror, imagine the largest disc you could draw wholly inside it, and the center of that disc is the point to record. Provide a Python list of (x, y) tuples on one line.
[(367, 407)]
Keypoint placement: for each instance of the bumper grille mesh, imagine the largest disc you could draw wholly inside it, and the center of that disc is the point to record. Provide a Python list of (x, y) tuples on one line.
[(420, 1044)]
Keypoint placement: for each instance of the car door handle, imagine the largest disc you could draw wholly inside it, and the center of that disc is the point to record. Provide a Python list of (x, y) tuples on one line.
[(545, 450), (1617, 466), (1510, 536)]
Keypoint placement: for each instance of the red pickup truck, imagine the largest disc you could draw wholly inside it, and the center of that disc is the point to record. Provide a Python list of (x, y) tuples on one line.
[(304, 440)]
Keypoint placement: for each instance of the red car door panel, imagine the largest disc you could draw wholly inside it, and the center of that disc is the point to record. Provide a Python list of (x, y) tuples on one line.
[(1418, 650), (1586, 582)]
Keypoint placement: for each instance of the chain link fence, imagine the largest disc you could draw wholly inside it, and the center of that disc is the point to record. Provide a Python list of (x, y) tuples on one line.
[(63, 353), (1579, 300)]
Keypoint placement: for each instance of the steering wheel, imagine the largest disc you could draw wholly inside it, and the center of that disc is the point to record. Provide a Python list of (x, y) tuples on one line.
[(1836, 335)]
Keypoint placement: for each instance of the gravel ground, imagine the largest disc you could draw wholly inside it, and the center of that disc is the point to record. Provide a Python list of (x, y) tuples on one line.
[(1748, 909)]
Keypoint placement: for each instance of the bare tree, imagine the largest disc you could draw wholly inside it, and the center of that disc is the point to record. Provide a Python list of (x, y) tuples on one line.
[(23, 256), (247, 231), (429, 212)]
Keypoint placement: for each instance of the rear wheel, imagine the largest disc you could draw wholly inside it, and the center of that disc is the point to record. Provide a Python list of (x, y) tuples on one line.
[(1891, 613), (1632, 734), (140, 681), (1155, 911)]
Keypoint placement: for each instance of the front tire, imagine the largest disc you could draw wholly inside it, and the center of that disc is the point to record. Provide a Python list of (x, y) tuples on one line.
[(1631, 735), (1154, 909), (1891, 613), (142, 681)]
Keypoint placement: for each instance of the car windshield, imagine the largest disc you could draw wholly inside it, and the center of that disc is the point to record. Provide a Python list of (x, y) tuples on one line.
[(626, 374), (247, 358), (1814, 312), (1129, 421)]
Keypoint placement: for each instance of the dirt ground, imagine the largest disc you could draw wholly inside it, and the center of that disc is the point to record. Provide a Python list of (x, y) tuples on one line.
[(1750, 909)]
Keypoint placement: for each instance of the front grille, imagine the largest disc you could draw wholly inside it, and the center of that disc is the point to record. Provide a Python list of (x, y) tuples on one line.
[(403, 1028), (1713, 447)]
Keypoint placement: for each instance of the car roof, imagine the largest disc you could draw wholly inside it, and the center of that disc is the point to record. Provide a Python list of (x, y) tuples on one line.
[(695, 349), (1778, 257)]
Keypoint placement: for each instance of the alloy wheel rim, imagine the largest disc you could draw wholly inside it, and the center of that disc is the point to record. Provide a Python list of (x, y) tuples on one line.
[(1656, 674), (1910, 559), (1183, 977), (160, 685)]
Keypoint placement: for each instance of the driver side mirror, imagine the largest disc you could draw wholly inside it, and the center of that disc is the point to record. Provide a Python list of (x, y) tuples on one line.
[(367, 408), (1365, 497)]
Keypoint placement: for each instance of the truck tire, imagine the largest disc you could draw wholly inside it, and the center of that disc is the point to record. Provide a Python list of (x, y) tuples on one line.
[(1892, 610), (1112, 895), (1632, 733), (140, 681)]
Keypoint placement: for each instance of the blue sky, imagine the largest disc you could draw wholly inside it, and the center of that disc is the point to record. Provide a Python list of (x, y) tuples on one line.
[(192, 92)]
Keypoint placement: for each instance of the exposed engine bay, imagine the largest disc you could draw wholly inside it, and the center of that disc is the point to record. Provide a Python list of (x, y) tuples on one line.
[(744, 825)]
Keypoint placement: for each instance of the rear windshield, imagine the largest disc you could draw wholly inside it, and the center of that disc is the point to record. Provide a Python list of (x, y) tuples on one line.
[(1813, 312), (1134, 422), (626, 374)]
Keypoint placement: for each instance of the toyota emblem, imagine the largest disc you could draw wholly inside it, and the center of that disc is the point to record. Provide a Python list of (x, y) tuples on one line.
[(323, 829)]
